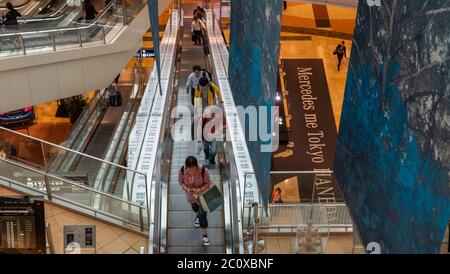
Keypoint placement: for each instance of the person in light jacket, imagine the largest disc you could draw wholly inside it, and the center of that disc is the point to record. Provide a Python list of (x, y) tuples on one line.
[(193, 80), (197, 29)]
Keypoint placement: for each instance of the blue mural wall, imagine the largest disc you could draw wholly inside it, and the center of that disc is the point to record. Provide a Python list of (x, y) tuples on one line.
[(253, 67), (393, 151)]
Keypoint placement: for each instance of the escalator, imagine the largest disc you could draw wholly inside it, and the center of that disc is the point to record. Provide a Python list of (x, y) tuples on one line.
[(94, 140), (81, 132), (182, 237), (55, 14), (109, 179), (29, 8), (96, 147), (167, 217), (35, 34)]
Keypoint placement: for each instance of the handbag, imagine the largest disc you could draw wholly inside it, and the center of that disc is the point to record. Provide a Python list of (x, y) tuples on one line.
[(211, 199), (197, 102)]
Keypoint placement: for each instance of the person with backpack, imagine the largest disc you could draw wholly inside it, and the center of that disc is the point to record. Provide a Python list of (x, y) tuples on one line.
[(340, 51), (193, 80), (194, 180), (212, 126)]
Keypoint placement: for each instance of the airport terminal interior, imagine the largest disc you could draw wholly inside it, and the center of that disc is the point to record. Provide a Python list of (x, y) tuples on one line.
[(108, 108)]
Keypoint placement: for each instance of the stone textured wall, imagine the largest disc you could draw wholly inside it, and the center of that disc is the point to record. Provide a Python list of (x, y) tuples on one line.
[(393, 151), (253, 67)]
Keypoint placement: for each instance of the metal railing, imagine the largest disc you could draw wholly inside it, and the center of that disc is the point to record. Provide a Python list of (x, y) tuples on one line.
[(57, 14), (116, 147), (33, 154), (294, 215), (32, 39), (61, 190), (83, 128)]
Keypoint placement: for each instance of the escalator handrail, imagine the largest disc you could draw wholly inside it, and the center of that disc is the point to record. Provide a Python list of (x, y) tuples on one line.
[(43, 17), (120, 131), (76, 131), (97, 102), (17, 6), (68, 28), (69, 150), (47, 173)]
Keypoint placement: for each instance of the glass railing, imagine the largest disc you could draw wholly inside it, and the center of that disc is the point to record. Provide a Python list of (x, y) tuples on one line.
[(26, 166), (118, 144), (83, 128), (46, 36), (320, 196)]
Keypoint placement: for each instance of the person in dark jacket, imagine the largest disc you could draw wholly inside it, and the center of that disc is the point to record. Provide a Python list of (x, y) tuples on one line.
[(341, 52), (89, 10), (10, 19)]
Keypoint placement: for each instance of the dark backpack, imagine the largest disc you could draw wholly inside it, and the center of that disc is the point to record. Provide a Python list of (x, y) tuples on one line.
[(203, 172), (205, 72)]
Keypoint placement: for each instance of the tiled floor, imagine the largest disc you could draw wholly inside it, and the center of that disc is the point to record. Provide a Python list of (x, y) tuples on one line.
[(301, 14), (320, 47), (109, 239)]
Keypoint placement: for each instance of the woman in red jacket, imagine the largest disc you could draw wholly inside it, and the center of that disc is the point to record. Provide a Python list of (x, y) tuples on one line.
[(195, 180)]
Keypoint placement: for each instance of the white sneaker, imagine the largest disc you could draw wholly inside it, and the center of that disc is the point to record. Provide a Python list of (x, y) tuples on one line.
[(196, 223), (205, 241)]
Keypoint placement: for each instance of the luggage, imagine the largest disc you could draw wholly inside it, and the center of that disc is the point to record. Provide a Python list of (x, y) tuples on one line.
[(211, 199), (207, 73), (119, 99), (115, 100)]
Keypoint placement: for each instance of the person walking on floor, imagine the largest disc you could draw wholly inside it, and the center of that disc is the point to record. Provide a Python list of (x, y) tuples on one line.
[(340, 51), (195, 180), (197, 29), (193, 80)]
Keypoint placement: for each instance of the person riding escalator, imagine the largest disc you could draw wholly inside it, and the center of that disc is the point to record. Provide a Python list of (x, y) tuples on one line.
[(10, 19)]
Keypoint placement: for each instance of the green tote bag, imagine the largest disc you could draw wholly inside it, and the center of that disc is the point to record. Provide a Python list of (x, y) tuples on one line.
[(211, 199)]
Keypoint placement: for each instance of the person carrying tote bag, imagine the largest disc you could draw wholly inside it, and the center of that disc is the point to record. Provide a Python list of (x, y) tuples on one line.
[(194, 180)]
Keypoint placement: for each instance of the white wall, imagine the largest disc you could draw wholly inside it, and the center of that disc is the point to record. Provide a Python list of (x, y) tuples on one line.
[(38, 78)]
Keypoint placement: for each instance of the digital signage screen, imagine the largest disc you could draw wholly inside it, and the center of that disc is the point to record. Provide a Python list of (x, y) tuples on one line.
[(22, 225)]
